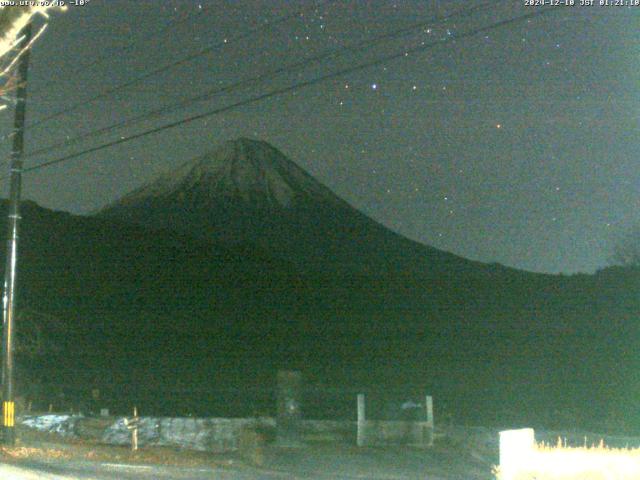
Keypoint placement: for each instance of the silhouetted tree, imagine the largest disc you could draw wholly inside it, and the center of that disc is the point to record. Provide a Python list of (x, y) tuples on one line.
[(34, 333), (626, 251)]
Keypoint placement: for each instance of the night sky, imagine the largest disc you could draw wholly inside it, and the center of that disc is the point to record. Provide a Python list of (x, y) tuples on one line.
[(518, 145)]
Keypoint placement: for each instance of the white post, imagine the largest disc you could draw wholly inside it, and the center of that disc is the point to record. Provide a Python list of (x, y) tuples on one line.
[(361, 420), (134, 432), (516, 451), (428, 403), (429, 406)]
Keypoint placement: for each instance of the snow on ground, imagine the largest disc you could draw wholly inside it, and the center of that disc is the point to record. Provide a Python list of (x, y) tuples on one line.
[(202, 434), (119, 434), (61, 424)]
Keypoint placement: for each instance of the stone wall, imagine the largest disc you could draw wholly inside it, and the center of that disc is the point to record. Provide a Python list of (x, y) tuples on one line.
[(217, 434)]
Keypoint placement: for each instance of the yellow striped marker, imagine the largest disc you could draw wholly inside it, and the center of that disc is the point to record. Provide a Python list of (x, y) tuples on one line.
[(8, 414)]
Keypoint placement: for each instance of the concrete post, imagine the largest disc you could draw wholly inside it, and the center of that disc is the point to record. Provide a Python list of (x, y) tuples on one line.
[(428, 402), (361, 420), (516, 451), (289, 407)]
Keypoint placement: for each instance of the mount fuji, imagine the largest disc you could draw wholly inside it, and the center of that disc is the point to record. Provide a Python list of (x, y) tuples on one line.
[(248, 192)]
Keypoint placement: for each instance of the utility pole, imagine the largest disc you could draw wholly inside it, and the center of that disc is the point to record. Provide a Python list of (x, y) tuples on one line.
[(9, 294)]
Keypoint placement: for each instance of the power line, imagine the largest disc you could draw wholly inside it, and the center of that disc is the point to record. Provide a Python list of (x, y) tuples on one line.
[(127, 47), (291, 88), (169, 66), (463, 12), (288, 89)]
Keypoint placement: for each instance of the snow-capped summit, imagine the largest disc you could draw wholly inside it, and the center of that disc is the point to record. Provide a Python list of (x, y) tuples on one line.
[(248, 171), (247, 192)]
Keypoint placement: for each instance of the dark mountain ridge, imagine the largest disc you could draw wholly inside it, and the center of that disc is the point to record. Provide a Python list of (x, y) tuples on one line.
[(146, 304)]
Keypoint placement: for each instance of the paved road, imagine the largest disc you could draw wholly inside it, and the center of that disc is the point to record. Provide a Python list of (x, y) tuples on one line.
[(317, 463), (116, 471), (379, 464)]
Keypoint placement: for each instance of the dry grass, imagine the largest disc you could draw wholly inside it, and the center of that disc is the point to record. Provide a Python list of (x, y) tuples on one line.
[(559, 462)]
